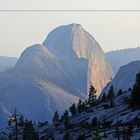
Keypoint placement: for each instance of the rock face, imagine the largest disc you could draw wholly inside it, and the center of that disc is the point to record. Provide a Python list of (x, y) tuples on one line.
[(54, 75), (125, 78), (69, 57), (71, 44)]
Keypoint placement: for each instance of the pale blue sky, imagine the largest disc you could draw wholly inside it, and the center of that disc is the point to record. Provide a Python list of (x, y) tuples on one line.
[(112, 29)]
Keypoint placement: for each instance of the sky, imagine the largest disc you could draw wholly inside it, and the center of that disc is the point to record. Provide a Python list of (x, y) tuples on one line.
[(70, 4), (20, 27)]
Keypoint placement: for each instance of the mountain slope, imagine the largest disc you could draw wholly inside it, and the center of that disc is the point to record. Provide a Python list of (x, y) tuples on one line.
[(54, 75), (38, 63), (35, 100), (125, 78), (122, 57)]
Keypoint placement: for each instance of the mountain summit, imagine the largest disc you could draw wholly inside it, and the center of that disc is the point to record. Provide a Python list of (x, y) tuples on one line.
[(70, 43), (69, 57), (53, 75)]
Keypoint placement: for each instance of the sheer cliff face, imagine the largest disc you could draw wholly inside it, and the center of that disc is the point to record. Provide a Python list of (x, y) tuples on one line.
[(70, 43), (52, 76), (70, 58)]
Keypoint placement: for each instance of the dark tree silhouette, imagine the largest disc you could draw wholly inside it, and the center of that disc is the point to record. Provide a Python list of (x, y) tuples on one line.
[(29, 132), (117, 133), (135, 94), (92, 96), (111, 93), (55, 118), (73, 109), (120, 92), (95, 122), (66, 118), (66, 136), (79, 106), (13, 119), (81, 137)]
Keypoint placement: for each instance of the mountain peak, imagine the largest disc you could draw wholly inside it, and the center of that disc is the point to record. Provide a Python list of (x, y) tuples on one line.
[(75, 25), (33, 52), (72, 43)]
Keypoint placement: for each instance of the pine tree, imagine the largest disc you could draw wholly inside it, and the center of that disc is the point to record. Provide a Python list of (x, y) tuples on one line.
[(95, 122), (21, 121), (104, 129), (55, 118), (129, 131), (79, 107), (124, 133), (112, 104), (110, 96), (66, 118), (111, 93), (120, 92), (29, 132), (52, 137), (13, 119), (73, 109), (92, 96), (117, 132), (81, 137), (105, 136), (97, 135), (66, 136), (84, 107), (135, 94)]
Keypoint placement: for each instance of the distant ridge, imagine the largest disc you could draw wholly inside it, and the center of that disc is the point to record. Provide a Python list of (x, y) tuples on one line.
[(122, 57)]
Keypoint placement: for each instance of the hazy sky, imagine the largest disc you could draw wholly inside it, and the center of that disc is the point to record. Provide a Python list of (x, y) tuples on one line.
[(70, 4), (112, 29)]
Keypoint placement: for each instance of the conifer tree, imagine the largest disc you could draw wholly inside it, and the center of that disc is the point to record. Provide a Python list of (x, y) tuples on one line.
[(135, 94), (79, 106), (120, 92), (81, 137), (14, 119), (124, 133), (84, 107), (104, 129), (95, 122), (55, 118), (112, 103), (21, 121), (52, 137), (117, 132), (66, 136), (105, 136), (97, 135), (92, 96), (110, 96), (66, 118), (73, 109), (129, 131), (111, 93), (29, 132)]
